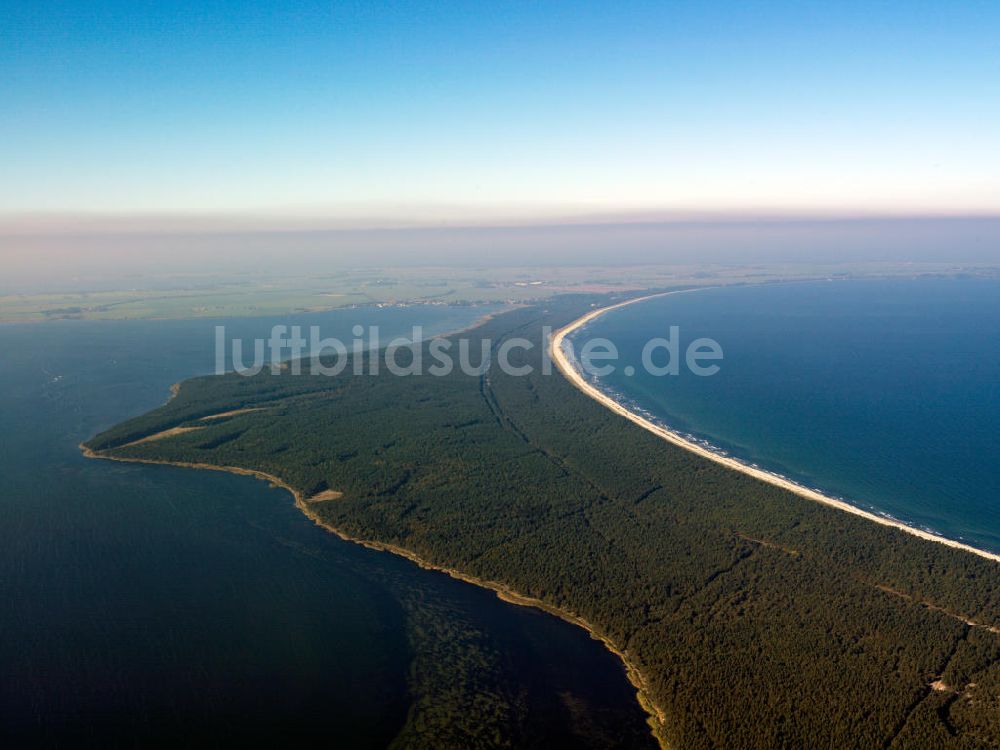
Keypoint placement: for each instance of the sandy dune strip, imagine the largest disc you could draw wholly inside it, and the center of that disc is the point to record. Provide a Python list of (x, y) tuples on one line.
[(568, 369)]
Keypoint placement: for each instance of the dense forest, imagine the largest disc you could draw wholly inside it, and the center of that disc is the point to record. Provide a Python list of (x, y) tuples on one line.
[(755, 618)]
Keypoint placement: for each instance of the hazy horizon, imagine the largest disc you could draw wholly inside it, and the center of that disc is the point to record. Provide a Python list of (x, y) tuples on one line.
[(34, 261)]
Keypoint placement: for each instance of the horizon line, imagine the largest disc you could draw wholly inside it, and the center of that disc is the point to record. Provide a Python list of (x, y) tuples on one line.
[(188, 222)]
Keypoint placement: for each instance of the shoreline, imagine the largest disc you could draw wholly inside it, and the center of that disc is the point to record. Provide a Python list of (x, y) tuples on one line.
[(656, 719), (567, 368), (480, 321)]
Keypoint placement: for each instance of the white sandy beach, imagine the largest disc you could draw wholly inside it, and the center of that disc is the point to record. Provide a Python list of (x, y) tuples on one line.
[(567, 368)]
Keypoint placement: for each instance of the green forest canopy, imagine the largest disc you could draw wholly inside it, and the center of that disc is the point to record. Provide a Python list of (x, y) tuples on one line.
[(757, 618)]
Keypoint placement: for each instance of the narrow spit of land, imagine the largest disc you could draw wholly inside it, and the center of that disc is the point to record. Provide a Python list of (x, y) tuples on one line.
[(750, 616)]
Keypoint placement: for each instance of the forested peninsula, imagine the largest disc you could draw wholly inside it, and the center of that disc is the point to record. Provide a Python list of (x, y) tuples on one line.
[(749, 616)]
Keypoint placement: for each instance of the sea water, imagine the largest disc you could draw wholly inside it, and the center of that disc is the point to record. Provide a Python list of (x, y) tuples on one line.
[(885, 393)]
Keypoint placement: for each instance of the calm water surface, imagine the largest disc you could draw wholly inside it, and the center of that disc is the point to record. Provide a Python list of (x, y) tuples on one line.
[(886, 393)]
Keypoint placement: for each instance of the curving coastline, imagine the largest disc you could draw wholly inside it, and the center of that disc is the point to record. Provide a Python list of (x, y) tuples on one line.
[(656, 715), (573, 375)]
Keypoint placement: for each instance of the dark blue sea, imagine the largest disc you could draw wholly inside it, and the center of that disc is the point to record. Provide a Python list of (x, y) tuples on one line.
[(885, 393)]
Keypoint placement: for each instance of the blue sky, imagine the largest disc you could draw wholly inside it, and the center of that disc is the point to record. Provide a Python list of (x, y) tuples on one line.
[(442, 112)]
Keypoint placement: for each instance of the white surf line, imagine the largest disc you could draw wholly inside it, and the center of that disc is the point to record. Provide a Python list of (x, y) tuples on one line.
[(568, 369)]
